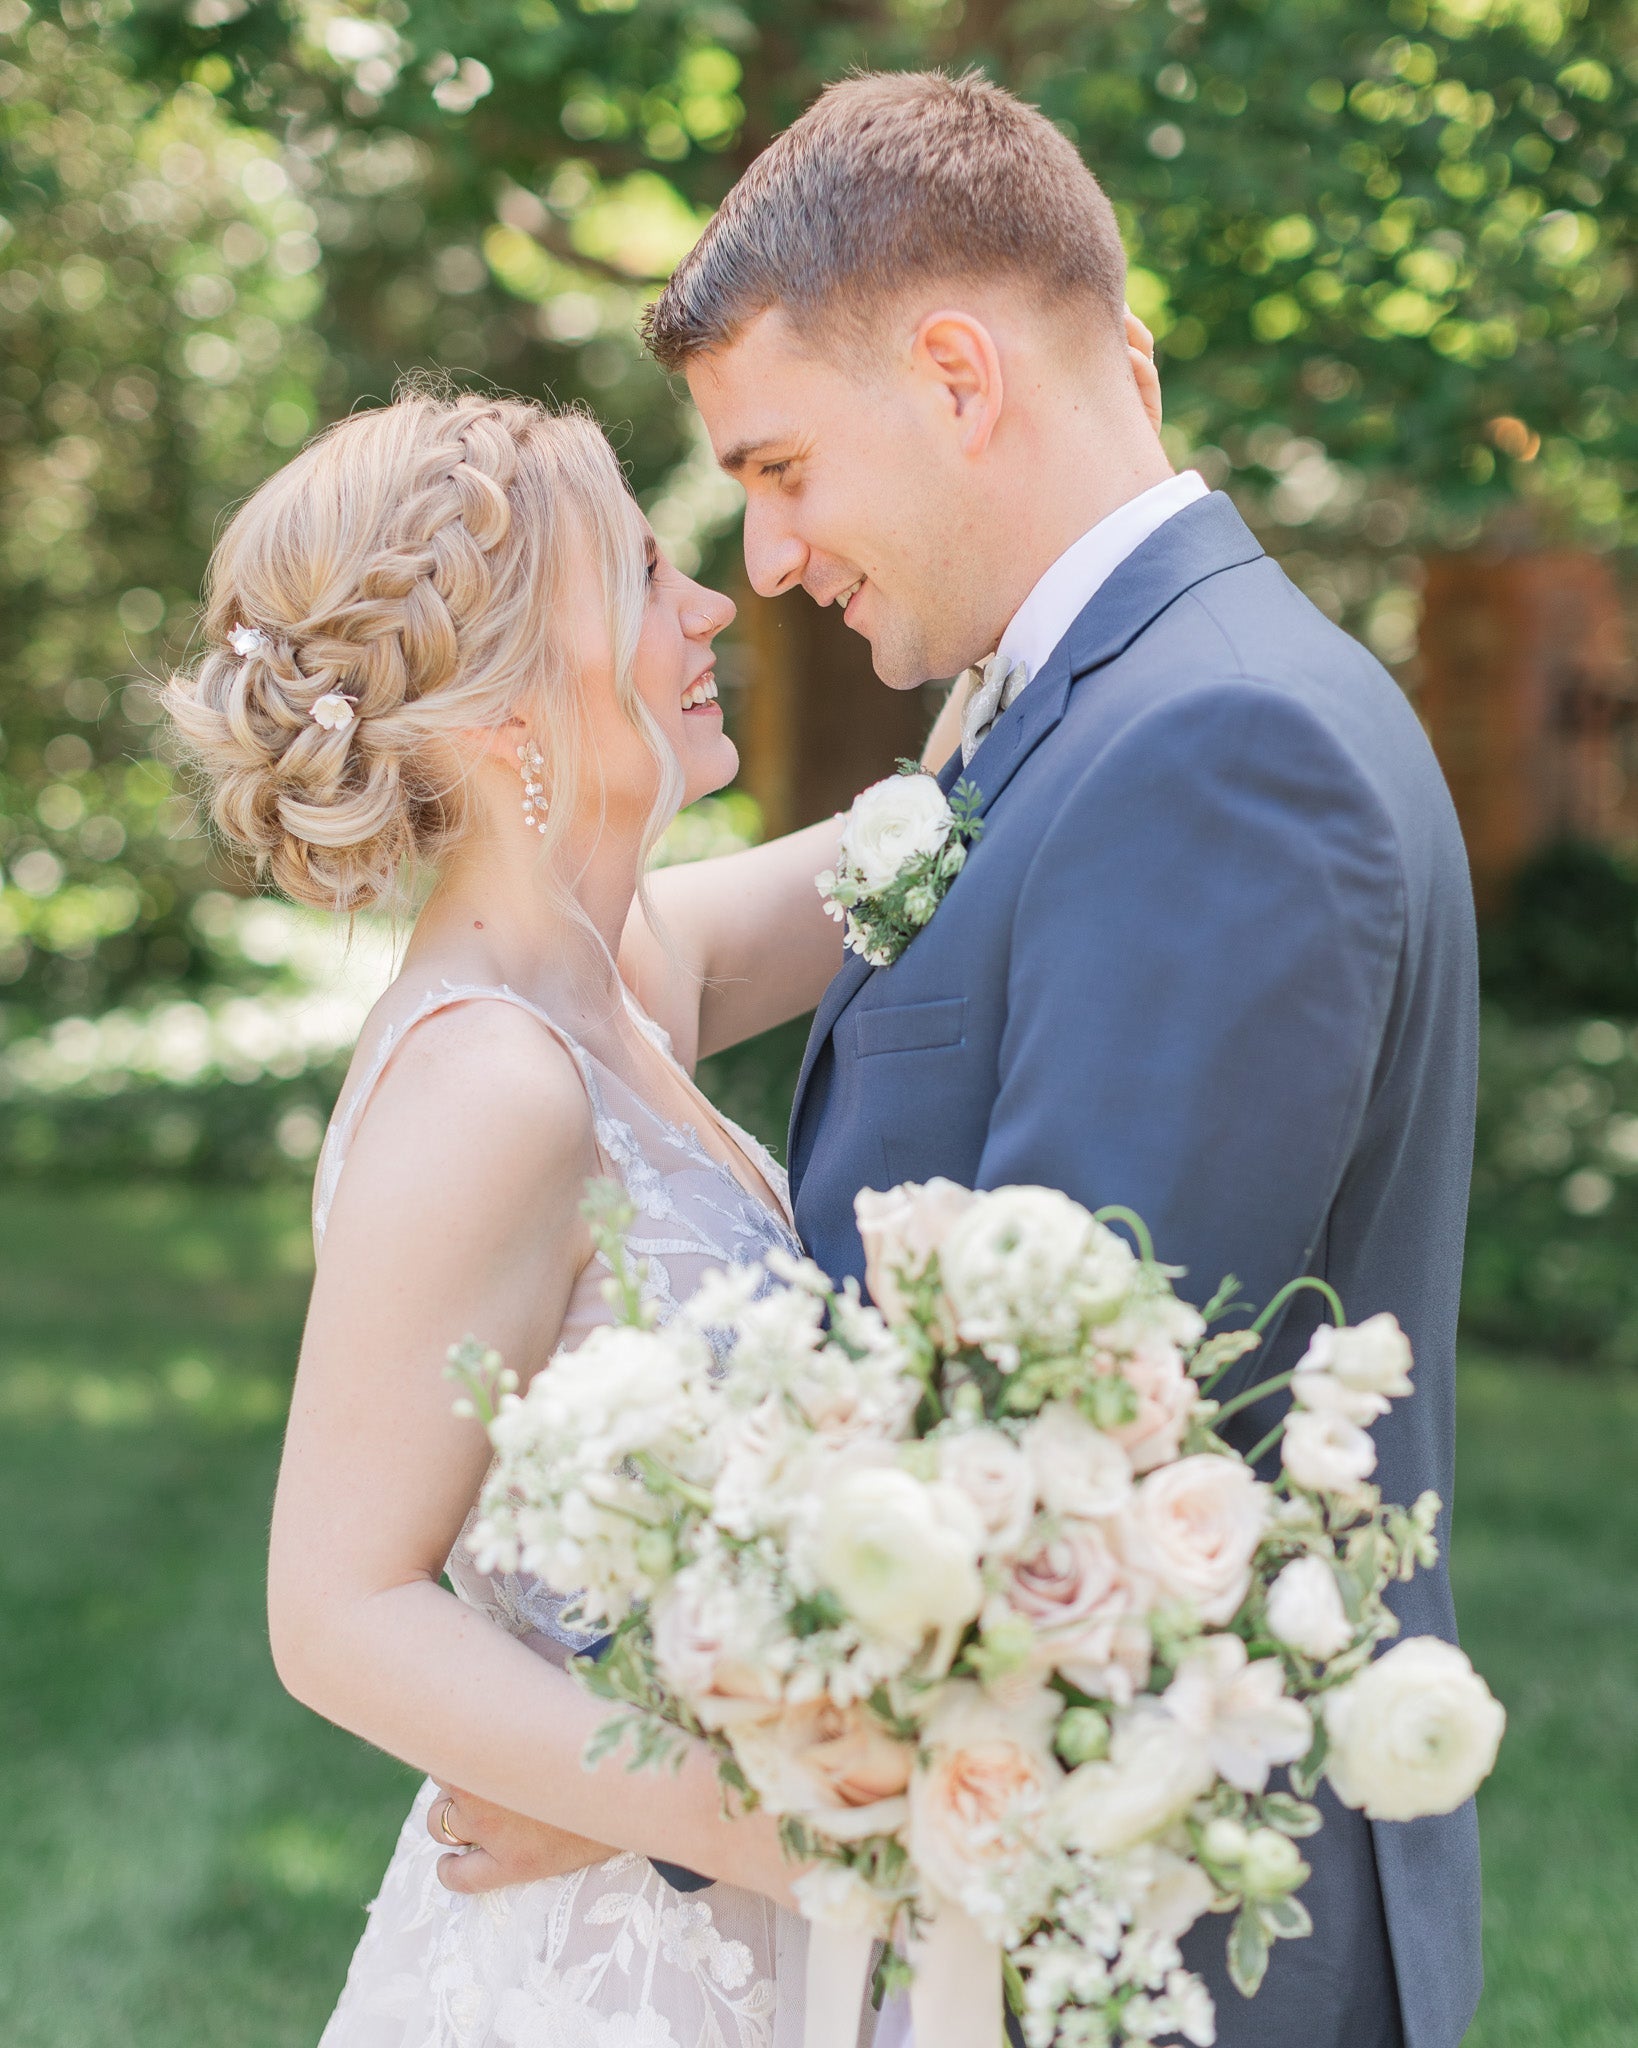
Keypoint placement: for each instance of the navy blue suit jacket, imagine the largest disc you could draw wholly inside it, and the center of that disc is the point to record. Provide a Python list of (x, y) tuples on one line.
[(1213, 958)]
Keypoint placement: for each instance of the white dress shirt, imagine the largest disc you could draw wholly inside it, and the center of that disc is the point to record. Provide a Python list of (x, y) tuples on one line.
[(1062, 594)]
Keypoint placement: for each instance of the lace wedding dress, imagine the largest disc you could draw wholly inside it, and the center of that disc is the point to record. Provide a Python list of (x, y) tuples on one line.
[(612, 1956)]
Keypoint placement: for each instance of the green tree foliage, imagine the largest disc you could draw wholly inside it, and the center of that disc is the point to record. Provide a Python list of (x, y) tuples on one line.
[(1387, 249)]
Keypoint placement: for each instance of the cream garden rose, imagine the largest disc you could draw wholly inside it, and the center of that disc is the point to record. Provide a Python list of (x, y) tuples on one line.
[(1415, 1733), (894, 822), (1079, 1470), (834, 1766), (986, 1772), (985, 1464), (900, 1231), (1195, 1526)]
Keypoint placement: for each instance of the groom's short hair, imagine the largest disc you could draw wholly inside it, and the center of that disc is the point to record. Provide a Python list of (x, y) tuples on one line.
[(889, 181)]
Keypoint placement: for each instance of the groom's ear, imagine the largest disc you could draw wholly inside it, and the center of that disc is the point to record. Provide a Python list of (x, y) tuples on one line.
[(957, 356)]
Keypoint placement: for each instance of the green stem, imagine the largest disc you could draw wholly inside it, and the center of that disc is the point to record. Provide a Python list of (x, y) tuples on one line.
[(1252, 1396), (1332, 1299), (1254, 1457), (1118, 1213)]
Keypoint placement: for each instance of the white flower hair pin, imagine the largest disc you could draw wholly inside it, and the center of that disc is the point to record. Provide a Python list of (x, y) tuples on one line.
[(247, 640), (333, 711)]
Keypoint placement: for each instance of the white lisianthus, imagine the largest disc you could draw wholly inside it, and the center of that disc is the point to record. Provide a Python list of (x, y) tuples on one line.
[(891, 824), (1155, 1771), (901, 1230), (1326, 1453), (838, 1896), (1415, 1733), (901, 1556), (1305, 1610), (1026, 1268), (1194, 1526), (988, 1467), (1373, 1357), (1079, 1470), (1323, 1395), (1239, 1711), (986, 1771)]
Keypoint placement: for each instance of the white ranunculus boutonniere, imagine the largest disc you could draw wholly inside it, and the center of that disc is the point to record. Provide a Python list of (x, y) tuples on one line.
[(903, 844)]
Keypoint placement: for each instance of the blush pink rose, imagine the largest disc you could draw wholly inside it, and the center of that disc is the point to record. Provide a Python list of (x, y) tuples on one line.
[(1166, 1399), (1085, 1603), (836, 1767)]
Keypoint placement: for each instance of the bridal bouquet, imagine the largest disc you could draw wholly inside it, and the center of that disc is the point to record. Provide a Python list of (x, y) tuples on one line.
[(968, 1589)]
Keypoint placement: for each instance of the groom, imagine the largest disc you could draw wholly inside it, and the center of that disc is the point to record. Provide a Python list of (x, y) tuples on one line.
[(1213, 955)]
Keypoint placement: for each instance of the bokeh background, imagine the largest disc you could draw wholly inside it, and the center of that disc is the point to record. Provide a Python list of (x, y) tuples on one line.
[(1387, 248)]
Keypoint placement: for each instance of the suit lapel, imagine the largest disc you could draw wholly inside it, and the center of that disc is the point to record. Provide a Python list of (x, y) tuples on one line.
[(1200, 541)]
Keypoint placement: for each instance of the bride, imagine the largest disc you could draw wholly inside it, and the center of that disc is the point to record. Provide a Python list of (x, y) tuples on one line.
[(443, 638)]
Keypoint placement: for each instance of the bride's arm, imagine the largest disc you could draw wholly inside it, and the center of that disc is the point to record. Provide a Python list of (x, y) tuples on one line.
[(745, 942), (458, 1214)]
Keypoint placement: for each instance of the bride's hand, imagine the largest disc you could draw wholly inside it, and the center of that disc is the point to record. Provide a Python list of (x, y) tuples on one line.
[(1140, 348), (502, 1848)]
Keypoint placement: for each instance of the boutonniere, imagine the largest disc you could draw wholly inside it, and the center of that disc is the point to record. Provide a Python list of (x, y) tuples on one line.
[(903, 844)]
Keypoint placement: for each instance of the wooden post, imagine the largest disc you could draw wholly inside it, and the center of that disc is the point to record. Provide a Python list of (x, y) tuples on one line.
[(814, 723), (1528, 695)]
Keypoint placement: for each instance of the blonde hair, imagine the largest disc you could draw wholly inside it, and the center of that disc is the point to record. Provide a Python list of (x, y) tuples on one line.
[(412, 559), (891, 181)]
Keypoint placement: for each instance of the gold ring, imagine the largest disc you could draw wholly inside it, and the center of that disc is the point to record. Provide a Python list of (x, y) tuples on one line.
[(444, 1828)]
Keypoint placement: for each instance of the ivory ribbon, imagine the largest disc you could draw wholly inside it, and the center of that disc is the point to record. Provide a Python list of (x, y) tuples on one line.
[(955, 1998), (838, 1967)]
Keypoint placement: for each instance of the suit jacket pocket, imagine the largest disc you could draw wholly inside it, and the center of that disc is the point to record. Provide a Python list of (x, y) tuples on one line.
[(912, 1027)]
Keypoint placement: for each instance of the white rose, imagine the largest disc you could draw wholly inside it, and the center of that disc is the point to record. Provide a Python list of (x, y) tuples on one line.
[(1239, 1711), (1155, 1771), (988, 1467), (1079, 1471), (1415, 1733), (891, 824), (1028, 1267), (1373, 1357), (901, 1556), (836, 1767), (986, 1772), (1326, 1453), (836, 1896), (1305, 1610), (1166, 1398), (1195, 1526), (900, 1231)]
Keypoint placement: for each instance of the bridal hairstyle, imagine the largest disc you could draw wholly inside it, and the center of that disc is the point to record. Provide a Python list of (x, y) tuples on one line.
[(412, 559), (890, 182)]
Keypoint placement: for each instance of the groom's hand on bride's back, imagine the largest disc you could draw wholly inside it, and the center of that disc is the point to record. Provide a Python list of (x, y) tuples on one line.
[(504, 1848)]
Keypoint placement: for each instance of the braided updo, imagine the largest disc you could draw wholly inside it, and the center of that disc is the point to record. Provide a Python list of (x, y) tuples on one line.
[(408, 563)]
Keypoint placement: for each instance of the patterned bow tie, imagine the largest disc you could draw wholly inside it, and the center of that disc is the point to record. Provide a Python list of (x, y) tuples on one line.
[(994, 686)]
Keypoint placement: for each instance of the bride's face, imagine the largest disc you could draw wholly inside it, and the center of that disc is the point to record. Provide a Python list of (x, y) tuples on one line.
[(674, 673)]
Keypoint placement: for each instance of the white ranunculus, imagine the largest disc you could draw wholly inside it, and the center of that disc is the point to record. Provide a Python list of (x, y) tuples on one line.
[(1373, 1357), (1239, 1711), (1415, 1733), (892, 823), (900, 1231), (1079, 1471), (1027, 1268), (988, 1467), (1305, 1610), (1326, 1453), (1155, 1770), (901, 1556), (986, 1771), (1194, 1527)]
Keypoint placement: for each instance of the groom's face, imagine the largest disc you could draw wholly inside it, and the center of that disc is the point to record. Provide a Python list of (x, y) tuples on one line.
[(854, 491)]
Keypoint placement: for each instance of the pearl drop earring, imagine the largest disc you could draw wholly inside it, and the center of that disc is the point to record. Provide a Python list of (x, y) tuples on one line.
[(530, 763)]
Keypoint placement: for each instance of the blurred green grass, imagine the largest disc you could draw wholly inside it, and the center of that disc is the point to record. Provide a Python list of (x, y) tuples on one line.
[(188, 1852)]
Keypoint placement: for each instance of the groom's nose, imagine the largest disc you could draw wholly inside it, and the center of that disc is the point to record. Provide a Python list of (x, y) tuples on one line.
[(775, 555)]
